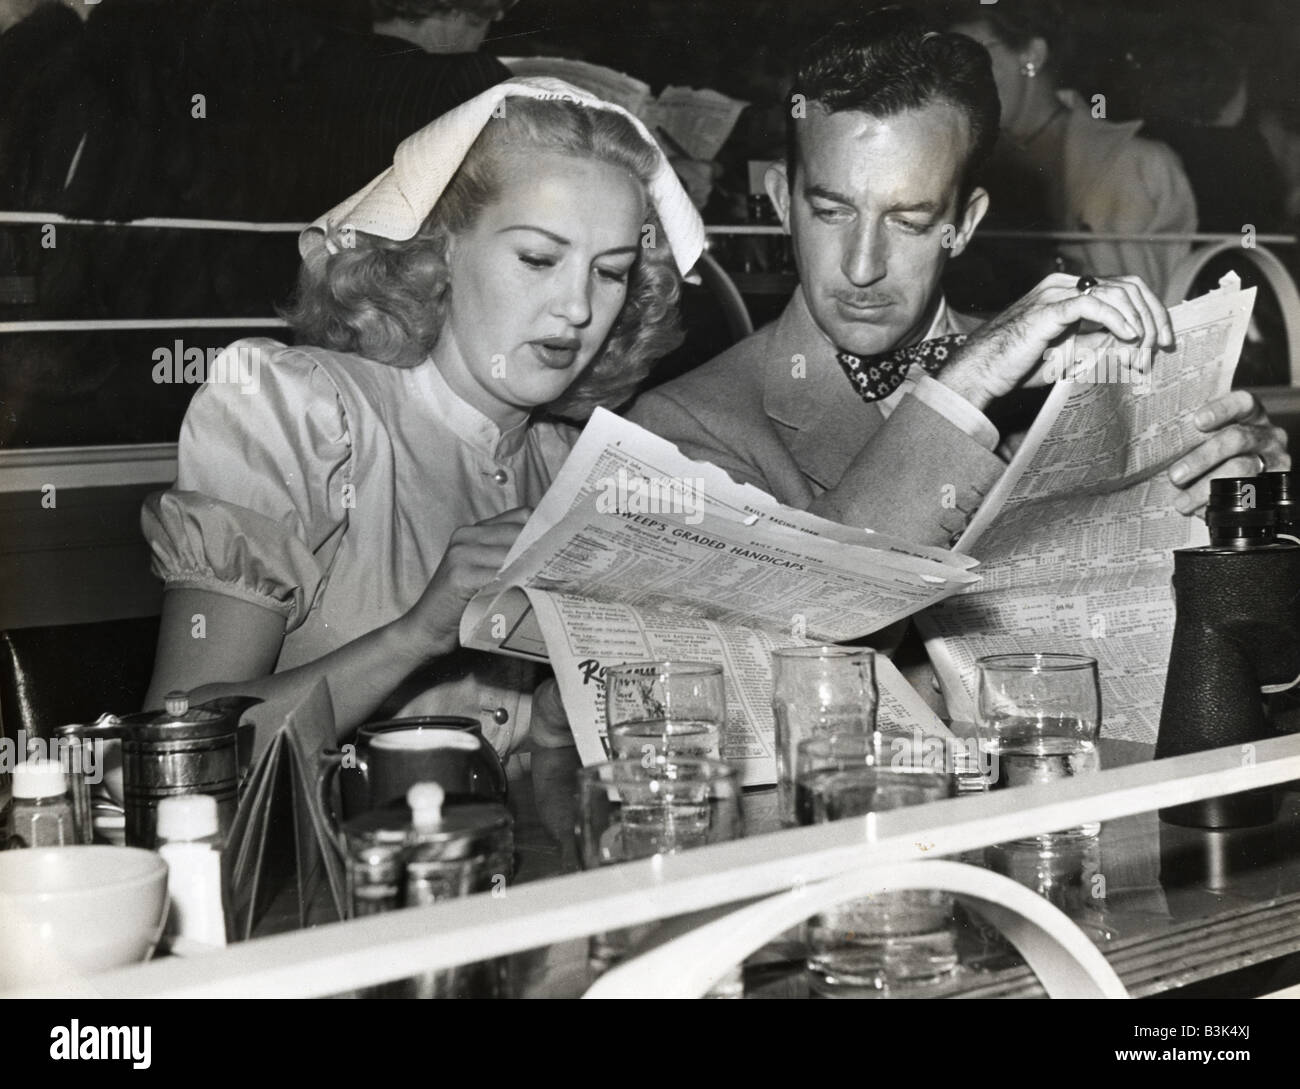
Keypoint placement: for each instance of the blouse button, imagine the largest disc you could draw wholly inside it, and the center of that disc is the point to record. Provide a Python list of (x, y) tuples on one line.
[(501, 476), (499, 715)]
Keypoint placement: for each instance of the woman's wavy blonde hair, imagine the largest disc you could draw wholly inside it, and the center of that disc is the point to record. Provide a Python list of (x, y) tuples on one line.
[(386, 300)]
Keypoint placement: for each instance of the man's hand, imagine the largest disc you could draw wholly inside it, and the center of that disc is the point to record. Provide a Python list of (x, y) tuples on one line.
[(1239, 441), (1012, 349)]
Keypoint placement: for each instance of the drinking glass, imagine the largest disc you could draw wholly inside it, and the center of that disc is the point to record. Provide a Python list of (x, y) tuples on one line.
[(1039, 716), (634, 809), (890, 943), (667, 708), (1066, 872), (818, 691)]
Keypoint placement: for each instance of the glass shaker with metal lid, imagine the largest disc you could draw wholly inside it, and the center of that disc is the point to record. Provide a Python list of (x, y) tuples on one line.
[(408, 855), (374, 857), (453, 852), (374, 850), (421, 853)]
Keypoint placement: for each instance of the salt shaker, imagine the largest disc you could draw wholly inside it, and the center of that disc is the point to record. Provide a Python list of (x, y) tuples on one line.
[(455, 851), (451, 853), (191, 845)]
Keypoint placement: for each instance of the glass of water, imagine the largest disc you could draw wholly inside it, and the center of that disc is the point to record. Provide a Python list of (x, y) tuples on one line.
[(1039, 717), (816, 692), (889, 944), (656, 805), (1066, 872), (666, 708)]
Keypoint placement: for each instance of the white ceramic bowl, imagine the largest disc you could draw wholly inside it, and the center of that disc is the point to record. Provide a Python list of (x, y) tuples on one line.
[(68, 912)]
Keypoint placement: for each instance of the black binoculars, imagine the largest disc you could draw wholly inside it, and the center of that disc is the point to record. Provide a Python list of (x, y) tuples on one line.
[(1236, 637)]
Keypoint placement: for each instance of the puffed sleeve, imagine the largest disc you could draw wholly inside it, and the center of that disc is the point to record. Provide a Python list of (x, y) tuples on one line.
[(264, 460)]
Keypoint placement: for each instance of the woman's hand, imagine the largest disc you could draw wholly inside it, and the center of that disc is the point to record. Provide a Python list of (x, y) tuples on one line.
[(474, 555), (549, 725), (241, 642)]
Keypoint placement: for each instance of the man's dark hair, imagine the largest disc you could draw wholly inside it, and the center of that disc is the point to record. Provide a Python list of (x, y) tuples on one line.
[(895, 60)]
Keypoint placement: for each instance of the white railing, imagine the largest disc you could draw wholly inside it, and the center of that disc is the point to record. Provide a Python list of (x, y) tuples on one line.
[(252, 226), (344, 956), (1216, 242)]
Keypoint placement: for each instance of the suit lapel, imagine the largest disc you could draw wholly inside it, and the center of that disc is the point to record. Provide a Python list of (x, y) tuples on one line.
[(821, 421)]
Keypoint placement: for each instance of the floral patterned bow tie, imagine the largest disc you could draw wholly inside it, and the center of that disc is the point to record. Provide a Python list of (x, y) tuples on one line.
[(875, 377)]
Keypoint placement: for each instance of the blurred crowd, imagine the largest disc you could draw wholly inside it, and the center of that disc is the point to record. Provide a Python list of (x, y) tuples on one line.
[(273, 110), (209, 109)]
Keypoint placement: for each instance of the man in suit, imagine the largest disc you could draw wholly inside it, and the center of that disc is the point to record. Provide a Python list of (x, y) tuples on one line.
[(862, 402)]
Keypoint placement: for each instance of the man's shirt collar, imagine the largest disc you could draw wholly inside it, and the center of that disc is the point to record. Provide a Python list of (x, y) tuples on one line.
[(804, 385)]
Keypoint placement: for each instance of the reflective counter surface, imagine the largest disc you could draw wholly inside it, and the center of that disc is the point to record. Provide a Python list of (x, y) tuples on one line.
[(1168, 906)]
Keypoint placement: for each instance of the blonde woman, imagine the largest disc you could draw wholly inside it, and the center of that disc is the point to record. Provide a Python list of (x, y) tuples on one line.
[(518, 265)]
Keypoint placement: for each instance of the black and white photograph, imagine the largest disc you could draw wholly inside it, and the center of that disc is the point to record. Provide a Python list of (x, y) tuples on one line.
[(654, 499)]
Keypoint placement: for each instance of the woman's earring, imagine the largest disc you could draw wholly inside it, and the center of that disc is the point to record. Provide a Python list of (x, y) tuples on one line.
[(1029, 69)]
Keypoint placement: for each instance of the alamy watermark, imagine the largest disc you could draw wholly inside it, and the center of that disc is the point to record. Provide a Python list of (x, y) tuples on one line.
[(240, 365), (965, 756), (625, 493), (78, 756), (1114, 365), (112, 1043)]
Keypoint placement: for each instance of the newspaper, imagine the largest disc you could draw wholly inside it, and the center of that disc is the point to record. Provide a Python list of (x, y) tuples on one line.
[(696, 122), (1075, 541), (636, 552)]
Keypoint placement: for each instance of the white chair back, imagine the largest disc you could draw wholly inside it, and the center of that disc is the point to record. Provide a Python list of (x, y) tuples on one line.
[(714, 277), (1067, 964), (1275, 275)]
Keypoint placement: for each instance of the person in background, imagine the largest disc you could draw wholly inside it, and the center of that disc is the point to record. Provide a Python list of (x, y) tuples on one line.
[(1060, 165), (438, 26), (42, 127), (13, 12), (1279, 124), (1196, 98), (245, 110), (34, 154), (332, 518)]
